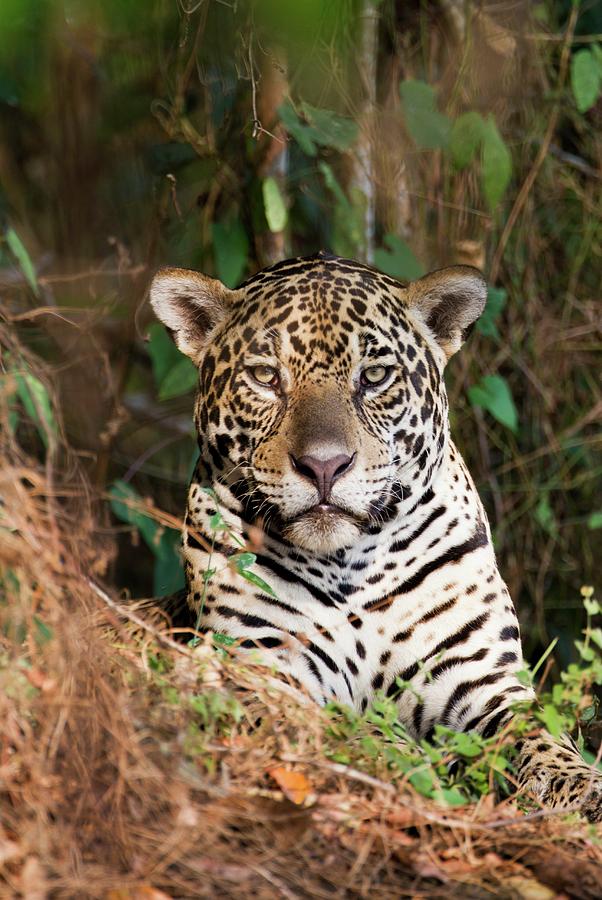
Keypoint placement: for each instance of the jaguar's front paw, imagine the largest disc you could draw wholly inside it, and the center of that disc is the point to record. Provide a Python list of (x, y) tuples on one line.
[(559, 778)]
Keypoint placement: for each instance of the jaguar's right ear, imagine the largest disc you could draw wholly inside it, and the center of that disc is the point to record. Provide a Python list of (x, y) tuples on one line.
[(190, 305)]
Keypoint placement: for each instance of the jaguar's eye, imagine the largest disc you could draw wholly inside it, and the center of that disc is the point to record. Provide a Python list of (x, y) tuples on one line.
[(374, 375), (265, 375)]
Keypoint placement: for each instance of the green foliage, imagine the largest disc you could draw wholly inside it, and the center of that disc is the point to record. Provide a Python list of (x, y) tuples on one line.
[(35, 399), (24, 386), (432, 130), (487, 324), (595, 521), (274, 206), (174, 374), (318, 128), (22, 257), (496, 164), (397, 259), (243, 563), (429, 128), (348, 220), (366, 741), (493, 394), (466, 138), (164, 543), (544, 516), (586, 77), (231, 249)]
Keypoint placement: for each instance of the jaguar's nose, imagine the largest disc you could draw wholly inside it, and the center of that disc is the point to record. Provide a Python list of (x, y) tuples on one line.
[(323, 472)]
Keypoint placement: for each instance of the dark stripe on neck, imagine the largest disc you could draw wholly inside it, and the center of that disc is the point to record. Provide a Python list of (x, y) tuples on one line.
[(453, 555), (291, 578), (397, 546)]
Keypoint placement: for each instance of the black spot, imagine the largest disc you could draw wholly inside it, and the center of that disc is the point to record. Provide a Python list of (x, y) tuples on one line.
[(351, 666), (377, 681)]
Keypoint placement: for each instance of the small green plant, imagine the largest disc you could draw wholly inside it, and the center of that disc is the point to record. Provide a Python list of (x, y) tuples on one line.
[(456, 768), (241, 561), (27, 394)]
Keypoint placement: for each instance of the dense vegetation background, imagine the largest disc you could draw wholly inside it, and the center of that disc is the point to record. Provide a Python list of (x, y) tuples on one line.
[(226, 135)]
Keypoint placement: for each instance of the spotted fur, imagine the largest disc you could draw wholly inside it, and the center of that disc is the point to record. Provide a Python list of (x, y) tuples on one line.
[(373, 538)]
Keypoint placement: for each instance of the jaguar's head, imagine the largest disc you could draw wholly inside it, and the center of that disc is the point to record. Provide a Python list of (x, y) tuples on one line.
[(321, 399)]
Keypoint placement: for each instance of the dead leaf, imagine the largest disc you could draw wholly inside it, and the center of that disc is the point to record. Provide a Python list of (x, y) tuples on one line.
[(529, 888), (40, 680), (294, 785), (499, 38), (142, 892)]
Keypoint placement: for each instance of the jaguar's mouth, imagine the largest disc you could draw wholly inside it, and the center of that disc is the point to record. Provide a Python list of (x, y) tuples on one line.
[(325, 511), (328, 509), (323, 528)]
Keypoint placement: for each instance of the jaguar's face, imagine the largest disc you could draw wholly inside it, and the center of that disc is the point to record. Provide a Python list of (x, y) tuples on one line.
[(321, 403)]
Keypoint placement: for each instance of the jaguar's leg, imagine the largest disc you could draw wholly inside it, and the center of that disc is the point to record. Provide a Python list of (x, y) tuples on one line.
[(556, 774)]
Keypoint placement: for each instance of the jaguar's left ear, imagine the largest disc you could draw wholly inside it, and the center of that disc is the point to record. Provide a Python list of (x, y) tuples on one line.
[(449, 301), (191, 306)]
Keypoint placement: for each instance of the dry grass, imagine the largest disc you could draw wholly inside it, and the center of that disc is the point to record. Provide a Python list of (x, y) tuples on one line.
[(133, 767)]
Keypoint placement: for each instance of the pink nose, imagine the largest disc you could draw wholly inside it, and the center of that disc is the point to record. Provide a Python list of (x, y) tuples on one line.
[(323, 472)]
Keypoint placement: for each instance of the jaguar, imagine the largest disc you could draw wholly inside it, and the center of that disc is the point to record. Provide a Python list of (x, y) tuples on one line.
[(322, 422)]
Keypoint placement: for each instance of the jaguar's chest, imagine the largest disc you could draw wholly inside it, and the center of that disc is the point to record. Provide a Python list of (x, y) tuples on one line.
[(360, 621)]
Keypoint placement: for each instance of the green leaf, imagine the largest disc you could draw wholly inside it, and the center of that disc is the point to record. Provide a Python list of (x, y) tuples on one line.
[(231, 250), (329, 129), (333, 185), (43, 632), (592, 607), (493, 394), (595, 635), (274, 206), (544, 516), (550, 718), (303, 134), (496, 164), (323, 128), (23, 258), (595, 521), (586, 79), (35, 399), (453, 796), (163, 352), (223, 640), (168, 573), (348, 219), (258, 582), (466, 136), (467, 744), (174, 374), (586, 653), (429, 128), (242, 561), (125, 503), (496, 301), (180, 379), (423, 781), (397, 260), (216, 522)]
